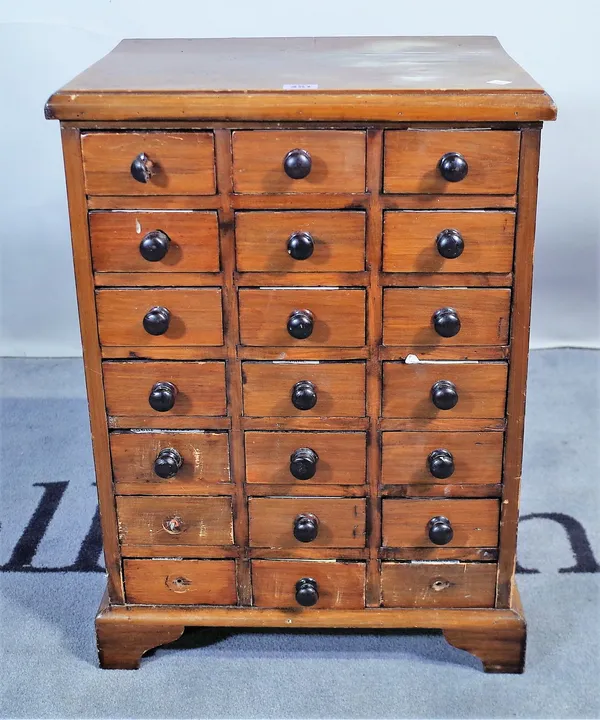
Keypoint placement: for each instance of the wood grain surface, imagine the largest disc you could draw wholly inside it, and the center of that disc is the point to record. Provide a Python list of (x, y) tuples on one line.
[(411, 159), (116, 237), (341, 521), (338, 161), (338, 316), (183, 163), (339, 241)]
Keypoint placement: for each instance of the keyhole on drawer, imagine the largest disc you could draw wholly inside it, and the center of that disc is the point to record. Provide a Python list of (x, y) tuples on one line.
[(439, 584), (173, 525)]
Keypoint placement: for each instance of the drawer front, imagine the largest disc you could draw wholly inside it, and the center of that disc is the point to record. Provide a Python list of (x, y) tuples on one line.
[(408, 523), (452, 317), (308, 241), (334, 159), (448, 242), (412, 158), (408, 390), (180, 582), (181, 317), (337, 458), (322, 522), (180, 163), (336, 585), (451, 585), (154, 242), (200, 388), (165, 463), (149, 521), (323, 317), (270, 389), (457, 458)]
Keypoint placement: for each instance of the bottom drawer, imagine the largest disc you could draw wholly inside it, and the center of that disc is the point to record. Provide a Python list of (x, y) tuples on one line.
[(180, 582), (293, 584), (455, 585)]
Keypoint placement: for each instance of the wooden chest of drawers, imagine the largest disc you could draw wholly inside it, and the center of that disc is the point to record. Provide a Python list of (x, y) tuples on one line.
[(304, 276)]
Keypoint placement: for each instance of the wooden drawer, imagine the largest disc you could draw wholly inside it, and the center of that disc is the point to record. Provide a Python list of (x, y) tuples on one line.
[(337, 161), (339, 388), (264, 241), (416, 316), (481, 389), (339, 585), (450, 585), (340, 522), (180, 582), (194, 317), (192, 241), (476, 457), (412, 157), (183, 163), (151, 521), (137, 456), (405, 522), (200, 388), (337, 316), (341, 457), (410, 241)]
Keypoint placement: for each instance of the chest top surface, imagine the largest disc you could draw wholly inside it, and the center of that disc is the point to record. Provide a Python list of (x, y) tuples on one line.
[(375, 78)]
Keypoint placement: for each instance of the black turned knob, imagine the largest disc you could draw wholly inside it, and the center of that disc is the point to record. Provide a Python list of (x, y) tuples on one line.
[(300, 324), (167, 463), (446, 322), (453, 167), (307, 592), (303, 463), (444, 395), (297, 164), (156, 320), (300, 245), (142, 168), (154, 245), (304, 395), (440, 530), (306, 528), (162, 396), (441, 464), (450, 244)]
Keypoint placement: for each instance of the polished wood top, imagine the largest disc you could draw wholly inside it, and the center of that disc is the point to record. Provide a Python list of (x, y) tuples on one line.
[(400, 78)]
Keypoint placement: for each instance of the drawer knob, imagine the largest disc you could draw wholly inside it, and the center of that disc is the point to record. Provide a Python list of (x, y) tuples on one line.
[(453, 167), (304, 395), (446, 322), (444, 395), (154, 245), (307, 592), (174, 525), (450, 244), (167, 463), (300, 324), (297, 164), (156, 320), (162, 396), (300, 245), (441, 464), (306, 527), (303, 463), (440, 530), (142, 168)]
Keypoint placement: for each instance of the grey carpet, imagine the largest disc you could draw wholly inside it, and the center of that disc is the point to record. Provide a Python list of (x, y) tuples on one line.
[(47, 654)]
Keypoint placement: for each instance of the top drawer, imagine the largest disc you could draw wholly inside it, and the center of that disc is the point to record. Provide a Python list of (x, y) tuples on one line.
[(487, 165), (177, 163), (287, 161)]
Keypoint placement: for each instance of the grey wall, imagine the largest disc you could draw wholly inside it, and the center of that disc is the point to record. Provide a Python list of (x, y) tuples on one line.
[(44, 44)]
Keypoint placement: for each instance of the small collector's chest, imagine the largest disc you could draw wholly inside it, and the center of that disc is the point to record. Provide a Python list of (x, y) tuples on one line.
[(304, 277)]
